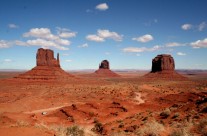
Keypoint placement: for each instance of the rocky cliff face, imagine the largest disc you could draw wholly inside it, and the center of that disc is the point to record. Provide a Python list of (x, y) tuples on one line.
[(163, 62), (45, 57), (104, 64)]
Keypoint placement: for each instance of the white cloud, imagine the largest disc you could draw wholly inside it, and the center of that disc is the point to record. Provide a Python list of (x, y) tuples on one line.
[(202, 26), (174, 44), (46, 39), (181, 53), (95, 38), (4, 44), (63, 41), (102, 6), (144, 38), (13, 26), (111, 35), (186, 26), (40, 33), (7, 60), (103, 34), (83, 45), (41, 42), (65, 33), (199, 43), (134, 49), (68, 60), (141, 49)]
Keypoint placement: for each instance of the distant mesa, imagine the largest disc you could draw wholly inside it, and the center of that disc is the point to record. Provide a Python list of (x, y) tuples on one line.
[(104, 70), (163, 66), (104, 64), (47, 67)]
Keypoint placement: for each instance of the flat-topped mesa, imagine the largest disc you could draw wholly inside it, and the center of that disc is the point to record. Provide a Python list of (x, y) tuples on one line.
[(104, 70), (45, 57), (104, 65), (163, 62)]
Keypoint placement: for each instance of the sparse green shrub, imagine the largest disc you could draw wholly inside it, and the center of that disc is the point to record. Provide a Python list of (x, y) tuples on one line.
[(74, 131)]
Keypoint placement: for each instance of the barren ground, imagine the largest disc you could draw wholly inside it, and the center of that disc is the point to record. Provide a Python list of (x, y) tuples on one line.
[(128, 105)]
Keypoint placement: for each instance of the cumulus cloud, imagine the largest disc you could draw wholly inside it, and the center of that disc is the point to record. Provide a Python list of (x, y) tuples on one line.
[(103, 34), (174, 44), (40, 33), (181, 53), (199, 43), (65, 33), (13, 26), (144, 38), (94, 38), (102, 6), (186, 26), (202, 26), (141, 49), (41, 42), (45, 38), (7, 60), (85, 45), (111, 35), (4, 44)]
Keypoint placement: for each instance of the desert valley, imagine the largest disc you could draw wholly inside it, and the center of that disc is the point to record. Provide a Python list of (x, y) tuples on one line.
[(48, 101)]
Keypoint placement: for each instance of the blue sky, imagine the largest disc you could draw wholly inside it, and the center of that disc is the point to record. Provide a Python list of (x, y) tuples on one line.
[(128, 33)]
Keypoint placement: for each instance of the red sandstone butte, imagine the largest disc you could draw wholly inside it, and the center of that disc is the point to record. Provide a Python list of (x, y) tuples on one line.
[(47, 67), (163, 66), (104, 70)]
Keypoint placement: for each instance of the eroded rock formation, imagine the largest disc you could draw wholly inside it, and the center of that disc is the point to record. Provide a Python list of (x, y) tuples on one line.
[(104, 64), (47, 68), (104, 70), (163, 66), (45, 57), (163, 62)]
